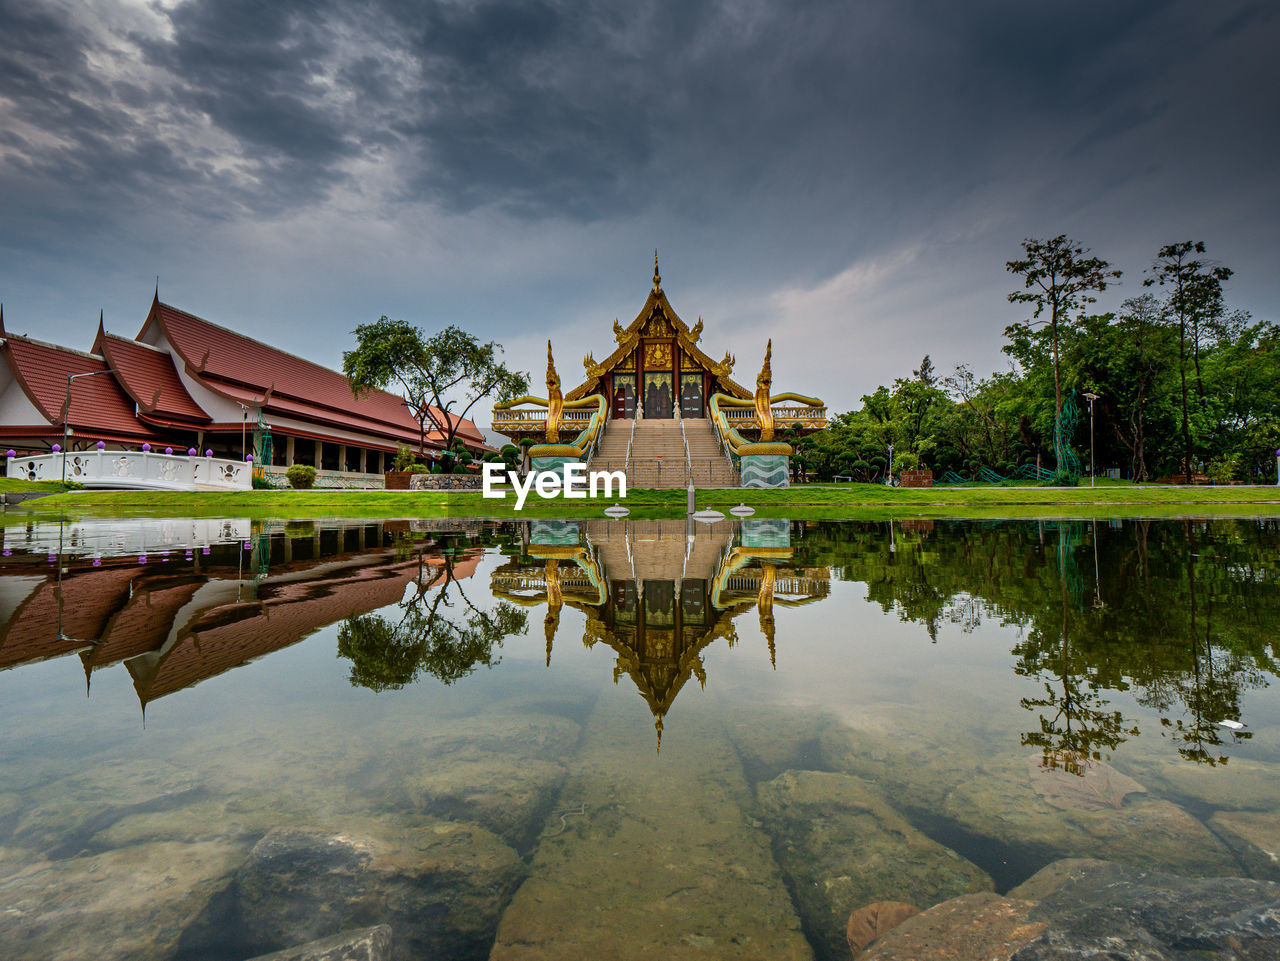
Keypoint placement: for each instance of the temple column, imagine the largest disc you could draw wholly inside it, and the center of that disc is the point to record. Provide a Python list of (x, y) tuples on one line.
[(364, 459), (288, 451), (342, 457)]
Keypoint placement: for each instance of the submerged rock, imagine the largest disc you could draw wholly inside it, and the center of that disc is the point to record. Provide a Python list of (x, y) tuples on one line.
[(841, 847), (1254, 836), (1238, 784), (972, 927), (772, 740), (502, 771), (441, 887), (131, 903), (1004, 802), (1098, 909), (652, 855), (365, 944), (1127, 914), (868, 923), (507, 794), (60, 819)]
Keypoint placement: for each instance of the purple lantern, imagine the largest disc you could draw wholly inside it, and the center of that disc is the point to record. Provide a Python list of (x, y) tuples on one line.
[(249, 458), (248, 545), (56, 448), (191, 452), (12, 453), (146, 448), (102, 445), (208, 453), (204, 550), (7, 552), (168, 450), (142, 558), (97, 562)]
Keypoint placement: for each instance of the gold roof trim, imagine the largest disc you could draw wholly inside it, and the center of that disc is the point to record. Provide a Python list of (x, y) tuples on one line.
[(629, 337)]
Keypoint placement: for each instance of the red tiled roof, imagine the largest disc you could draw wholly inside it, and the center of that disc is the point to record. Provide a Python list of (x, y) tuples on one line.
[(97, 403), (225, 360), (149, 377)]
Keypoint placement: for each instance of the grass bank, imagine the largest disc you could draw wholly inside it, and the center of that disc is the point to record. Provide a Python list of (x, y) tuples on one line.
[(814, 501)]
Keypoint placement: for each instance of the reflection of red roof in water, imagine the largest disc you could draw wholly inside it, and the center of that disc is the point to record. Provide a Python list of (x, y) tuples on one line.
[(145, 620), (286, 611), (89, 598), (244, 369)]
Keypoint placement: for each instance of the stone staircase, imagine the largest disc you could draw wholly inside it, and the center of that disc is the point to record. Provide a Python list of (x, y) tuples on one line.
[(658, 454)]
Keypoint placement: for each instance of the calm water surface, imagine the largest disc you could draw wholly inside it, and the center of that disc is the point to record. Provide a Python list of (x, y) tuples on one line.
[(612, 739)]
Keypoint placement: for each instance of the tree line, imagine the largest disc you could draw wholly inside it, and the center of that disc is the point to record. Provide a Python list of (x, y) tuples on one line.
[(1184, 384)]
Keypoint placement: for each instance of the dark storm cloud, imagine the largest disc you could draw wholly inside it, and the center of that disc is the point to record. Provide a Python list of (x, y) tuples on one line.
[(589, 111)]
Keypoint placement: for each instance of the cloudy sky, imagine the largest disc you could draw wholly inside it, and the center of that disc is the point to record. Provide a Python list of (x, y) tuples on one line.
[(847, 177)]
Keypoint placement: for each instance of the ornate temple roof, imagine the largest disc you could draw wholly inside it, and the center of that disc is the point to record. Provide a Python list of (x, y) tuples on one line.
[(100, 408), (147, 374), (657, 308), (250, 372)]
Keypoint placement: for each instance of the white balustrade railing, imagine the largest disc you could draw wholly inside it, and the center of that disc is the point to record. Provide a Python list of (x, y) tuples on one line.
[(134, 470)]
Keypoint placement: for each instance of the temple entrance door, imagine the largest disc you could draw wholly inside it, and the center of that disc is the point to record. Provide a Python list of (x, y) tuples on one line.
[(659, 395), (691, 395), (624, 395)]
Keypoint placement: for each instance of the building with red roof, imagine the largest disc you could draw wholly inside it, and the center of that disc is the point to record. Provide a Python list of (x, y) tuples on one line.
[(186, 382)]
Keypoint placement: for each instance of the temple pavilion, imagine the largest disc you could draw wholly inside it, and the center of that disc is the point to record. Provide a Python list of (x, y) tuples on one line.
[(188, 383), (670, 411)]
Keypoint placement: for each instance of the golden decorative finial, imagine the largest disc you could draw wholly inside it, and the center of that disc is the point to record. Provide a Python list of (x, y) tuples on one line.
[(657, 277), (657, 724), (696, 332)]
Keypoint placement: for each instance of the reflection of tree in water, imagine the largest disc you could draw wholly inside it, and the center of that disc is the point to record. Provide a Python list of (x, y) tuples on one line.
[(1182, 615), (386, 653)]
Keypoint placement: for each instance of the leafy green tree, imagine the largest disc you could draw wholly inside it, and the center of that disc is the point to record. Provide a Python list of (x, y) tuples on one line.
[(1060, 277), (434, 373), (1194, 299)]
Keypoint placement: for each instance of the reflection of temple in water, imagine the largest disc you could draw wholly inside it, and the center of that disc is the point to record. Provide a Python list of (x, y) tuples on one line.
[(174, 618), (659, 592)]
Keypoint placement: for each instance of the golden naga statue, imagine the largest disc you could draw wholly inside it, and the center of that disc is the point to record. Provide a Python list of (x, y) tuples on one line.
[(554, 402), (763, 403), (764, 409)]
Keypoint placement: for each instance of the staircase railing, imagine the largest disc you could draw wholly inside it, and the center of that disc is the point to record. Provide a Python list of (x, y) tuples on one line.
[(626, 467), (688, 465)]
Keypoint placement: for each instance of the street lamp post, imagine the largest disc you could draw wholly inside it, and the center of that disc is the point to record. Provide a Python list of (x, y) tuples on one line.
[(66, 418), (888, 471), (1278, 467), (1092, 476)]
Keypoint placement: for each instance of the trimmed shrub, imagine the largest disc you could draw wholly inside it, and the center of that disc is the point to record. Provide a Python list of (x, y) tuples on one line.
[(301, 476)]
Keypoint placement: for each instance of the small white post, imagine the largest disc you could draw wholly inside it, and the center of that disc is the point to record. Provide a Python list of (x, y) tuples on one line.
[(689, 497)]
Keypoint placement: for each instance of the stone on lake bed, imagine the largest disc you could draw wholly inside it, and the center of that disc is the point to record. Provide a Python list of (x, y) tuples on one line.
[(131, 903), (973, 927), (1002, 803), (1255, 838), (1239, 784), (843, 847), (870, 922), (650, 855), (506, 794), (1097, 909), (364, 944), (440, 886)]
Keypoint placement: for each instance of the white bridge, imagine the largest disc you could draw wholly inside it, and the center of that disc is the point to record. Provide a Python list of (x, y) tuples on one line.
[(135, 470)]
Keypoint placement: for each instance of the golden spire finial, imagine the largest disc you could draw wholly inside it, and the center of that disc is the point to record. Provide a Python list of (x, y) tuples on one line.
[(657, 724), (657, 277)]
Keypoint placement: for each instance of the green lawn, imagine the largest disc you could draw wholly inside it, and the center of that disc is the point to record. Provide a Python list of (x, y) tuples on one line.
[(16, 484), (813, 501)]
